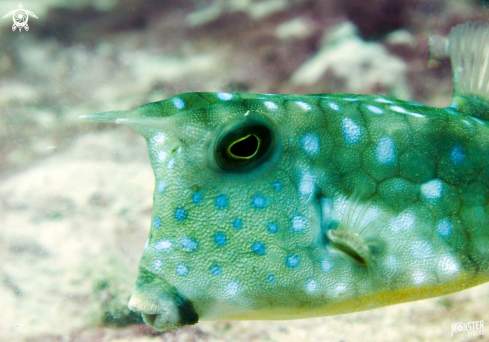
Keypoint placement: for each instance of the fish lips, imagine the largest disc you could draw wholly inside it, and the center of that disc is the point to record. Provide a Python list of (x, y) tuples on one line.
[(162, 307)]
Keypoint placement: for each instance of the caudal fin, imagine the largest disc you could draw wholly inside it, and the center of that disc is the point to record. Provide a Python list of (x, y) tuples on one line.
[(468, 49)]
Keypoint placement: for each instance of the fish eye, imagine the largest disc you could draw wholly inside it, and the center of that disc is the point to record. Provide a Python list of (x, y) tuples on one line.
[(244, 147)]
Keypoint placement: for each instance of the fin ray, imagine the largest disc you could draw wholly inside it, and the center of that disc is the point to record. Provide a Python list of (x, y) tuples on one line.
[(468, 48)]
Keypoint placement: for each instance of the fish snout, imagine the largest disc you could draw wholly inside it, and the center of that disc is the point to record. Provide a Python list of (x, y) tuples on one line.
[(159, 313), (162, 309)]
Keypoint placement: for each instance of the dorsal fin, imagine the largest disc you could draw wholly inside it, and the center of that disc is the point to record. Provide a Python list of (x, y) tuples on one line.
[(468, 48)]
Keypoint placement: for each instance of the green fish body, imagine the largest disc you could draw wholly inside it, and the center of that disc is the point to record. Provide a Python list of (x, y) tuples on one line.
[(296, 206)]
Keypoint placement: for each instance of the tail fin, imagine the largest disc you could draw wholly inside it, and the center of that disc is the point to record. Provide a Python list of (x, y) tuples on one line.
[(468, 49)]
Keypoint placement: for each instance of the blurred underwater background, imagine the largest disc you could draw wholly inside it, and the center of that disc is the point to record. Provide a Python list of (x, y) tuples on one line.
[(75, 197)]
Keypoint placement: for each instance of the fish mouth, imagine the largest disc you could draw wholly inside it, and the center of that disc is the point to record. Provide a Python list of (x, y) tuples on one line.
[(163, 310), (156, 312)]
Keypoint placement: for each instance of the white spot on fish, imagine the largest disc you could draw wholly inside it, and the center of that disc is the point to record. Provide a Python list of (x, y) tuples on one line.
[(328, 214), (161, 156), (307, 184), (374, 109), (326, 265), (382, 100), (146, 244), (401, 223), (419, 277), (310, 144), (432, 189), (417, 115), (156, 266), (188, 244), (303, 105), (224, 96), (421, 250), (270, 105), (170, 164), (334, 106), (386, 151), (158, 139), (351, 99), (457, 155), (399, 109), (447, 265), (351, 131), (178, 103), (163, 245), (311, 285), (298, 223), (391, 263), (339, 289), (232, 288)]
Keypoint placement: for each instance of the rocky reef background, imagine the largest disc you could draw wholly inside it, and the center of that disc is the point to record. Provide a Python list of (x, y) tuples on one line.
[(75, 197)]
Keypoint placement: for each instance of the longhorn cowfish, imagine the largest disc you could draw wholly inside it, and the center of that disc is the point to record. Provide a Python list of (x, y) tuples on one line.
[(271, 207)]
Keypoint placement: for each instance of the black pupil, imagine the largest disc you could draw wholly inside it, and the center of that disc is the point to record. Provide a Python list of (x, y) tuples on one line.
[(246, 147)]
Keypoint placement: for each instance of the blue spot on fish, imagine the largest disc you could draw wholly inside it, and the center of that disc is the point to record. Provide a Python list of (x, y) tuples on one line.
[(181, 269), (220, 239), (259, 202), (271, 278), (221, 201), (197, 198), (277, 186), (237, 223), (215, 270), (298, 223), (161, 187), (157, 222), (273, 227), (188, 244), (457, 155), (258, 248), (444, 228), (292, 261), (180, 214)]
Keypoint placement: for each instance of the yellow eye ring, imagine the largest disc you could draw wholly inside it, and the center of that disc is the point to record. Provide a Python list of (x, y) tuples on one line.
[(232, 155)]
